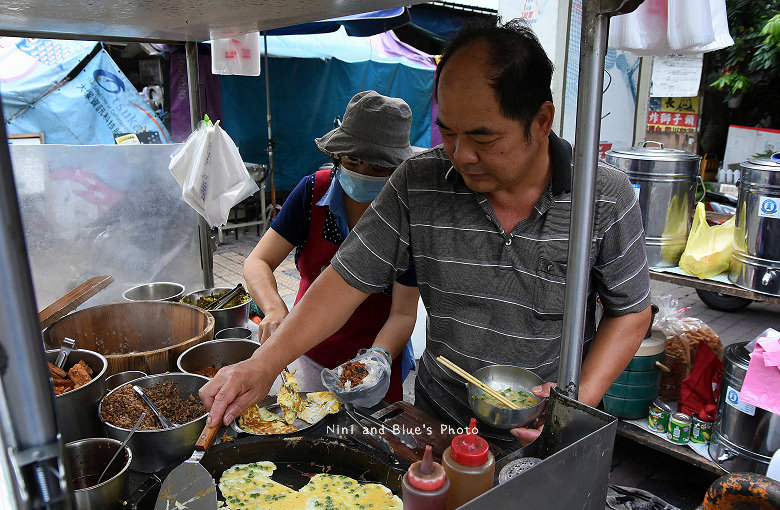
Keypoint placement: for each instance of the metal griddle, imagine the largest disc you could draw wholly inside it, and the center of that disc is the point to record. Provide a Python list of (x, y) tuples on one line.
[(296, 459)]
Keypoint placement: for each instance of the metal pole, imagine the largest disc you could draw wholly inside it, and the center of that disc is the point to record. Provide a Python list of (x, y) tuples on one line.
[(196, 115), (270, 148), (593, 49), (25, 379)]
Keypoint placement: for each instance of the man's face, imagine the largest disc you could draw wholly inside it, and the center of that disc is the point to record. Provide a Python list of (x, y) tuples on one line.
[(490, 151)]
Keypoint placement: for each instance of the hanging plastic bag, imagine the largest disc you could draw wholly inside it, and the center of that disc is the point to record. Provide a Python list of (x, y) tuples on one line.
[(708, 250), (372, 385), (211, 173)]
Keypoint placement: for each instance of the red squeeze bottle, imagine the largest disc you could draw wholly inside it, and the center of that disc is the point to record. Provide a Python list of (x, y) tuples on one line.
[(425, 485), (469, 466)]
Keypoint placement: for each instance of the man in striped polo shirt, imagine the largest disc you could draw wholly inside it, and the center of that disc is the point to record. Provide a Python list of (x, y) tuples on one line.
[(483, 221)]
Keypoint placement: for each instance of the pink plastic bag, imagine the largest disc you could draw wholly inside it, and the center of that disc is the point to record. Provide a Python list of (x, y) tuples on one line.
[(762, 380)]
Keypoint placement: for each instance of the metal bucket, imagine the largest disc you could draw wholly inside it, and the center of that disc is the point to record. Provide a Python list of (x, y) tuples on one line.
[(665, 183), (744, 436), (756, 257)]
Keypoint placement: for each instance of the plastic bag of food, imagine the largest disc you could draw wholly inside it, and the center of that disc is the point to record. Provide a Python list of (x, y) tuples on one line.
[(362, 381), (708, 250), (683, 335)]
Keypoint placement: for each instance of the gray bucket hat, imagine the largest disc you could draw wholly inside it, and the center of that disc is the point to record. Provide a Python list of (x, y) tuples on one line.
[(375, 129)]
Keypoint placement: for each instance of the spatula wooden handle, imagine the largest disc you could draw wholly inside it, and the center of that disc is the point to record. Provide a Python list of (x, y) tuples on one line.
[(206, 438)]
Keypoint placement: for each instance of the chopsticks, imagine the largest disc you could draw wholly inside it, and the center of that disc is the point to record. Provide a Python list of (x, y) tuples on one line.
[(476, 382)]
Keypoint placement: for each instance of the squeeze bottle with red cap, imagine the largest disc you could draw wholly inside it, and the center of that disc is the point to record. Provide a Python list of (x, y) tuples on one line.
[(425, 485), (469, 466)]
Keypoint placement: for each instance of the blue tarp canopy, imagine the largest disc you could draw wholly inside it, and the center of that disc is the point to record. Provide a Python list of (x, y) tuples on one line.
[(312, 79), (357, 25)]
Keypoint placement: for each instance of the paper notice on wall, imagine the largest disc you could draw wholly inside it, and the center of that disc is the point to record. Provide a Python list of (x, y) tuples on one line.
[(676, 76)]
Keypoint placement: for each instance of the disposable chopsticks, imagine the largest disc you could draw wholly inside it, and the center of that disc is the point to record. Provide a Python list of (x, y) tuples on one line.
[(476, 382)]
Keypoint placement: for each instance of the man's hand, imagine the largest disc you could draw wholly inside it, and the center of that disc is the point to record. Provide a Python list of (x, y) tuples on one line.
[(234, 389), (527, 435), (269, 324)]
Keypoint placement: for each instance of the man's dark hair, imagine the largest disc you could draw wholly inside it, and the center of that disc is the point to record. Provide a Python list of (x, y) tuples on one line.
[(521, 72)]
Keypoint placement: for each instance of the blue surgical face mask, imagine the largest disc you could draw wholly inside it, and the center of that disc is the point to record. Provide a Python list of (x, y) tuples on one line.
[(360, 188)]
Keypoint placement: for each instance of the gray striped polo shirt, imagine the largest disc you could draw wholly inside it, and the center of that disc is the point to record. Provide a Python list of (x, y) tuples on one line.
[(494, 297)]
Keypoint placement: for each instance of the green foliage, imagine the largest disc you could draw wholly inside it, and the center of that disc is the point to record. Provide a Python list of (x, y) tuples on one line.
[(755, 28)]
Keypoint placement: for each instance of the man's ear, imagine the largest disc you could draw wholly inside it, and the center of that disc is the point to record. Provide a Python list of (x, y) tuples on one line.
[(542, 123)]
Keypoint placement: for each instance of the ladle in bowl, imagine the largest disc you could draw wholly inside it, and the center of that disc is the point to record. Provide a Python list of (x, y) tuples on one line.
[(121, 447)]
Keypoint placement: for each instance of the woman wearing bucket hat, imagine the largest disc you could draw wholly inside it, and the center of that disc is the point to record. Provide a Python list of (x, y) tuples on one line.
[(370, 143)]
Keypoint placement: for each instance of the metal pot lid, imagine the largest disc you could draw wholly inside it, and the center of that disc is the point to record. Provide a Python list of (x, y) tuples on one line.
[(738, 354), (768, 164), (655, 152)]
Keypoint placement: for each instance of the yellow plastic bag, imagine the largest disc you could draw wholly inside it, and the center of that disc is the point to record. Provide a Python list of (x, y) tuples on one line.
[(708, 250)]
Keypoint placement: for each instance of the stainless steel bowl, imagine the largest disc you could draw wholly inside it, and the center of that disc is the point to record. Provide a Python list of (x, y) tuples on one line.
[(76, 409), (501, 377), (156, 291), (155, 449), (215, 353), (88, 458), (120, 378), (240, 333), (233, 317)]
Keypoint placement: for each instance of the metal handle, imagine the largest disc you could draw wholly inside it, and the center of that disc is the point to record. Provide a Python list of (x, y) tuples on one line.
[(660, 145), (65, 349), (699, 180), (219, 303), (165, 422), (122, 446), (725, 456)]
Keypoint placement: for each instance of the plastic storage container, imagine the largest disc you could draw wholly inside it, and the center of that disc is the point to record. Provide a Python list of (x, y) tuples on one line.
[(635, 389), (469, 466)]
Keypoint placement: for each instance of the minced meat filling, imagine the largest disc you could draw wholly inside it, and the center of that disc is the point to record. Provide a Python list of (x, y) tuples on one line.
[(123, 407), (353, 372)]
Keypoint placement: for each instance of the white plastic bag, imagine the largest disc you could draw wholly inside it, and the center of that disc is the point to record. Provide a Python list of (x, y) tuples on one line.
[(236, 54), (374, 387), (211, 173)]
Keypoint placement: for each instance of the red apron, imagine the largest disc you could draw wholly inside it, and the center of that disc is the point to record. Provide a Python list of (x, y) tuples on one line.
[(361, 329)]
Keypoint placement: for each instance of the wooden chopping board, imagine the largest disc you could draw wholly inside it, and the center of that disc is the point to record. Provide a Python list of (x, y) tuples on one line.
[(425, 428)]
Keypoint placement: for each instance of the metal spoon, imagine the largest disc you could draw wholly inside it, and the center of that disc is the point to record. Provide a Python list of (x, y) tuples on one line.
[(121, 447), (165, 422)]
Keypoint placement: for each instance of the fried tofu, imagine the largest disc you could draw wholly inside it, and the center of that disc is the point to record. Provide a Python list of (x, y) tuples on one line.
[(56, 372), (80, 374)]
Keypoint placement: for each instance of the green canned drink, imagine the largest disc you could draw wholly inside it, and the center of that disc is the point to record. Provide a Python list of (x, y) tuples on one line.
[(658, 417), (679, 428), (701, 431)]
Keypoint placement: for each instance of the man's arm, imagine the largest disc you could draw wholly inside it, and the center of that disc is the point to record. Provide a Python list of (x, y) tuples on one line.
[(400, 323), (324, 308), (615, 343)]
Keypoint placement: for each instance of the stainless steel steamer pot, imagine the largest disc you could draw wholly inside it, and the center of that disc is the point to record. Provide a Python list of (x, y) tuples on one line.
[(665, 183), (744, 437), (755, 261)]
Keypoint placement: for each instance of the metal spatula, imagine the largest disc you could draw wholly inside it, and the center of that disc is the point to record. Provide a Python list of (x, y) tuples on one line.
[(190, 485)]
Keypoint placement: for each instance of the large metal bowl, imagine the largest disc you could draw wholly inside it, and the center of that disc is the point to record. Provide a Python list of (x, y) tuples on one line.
[(233, 317), (76, 409), (155, 291), (215, 353), (154, 449), (501, 377)]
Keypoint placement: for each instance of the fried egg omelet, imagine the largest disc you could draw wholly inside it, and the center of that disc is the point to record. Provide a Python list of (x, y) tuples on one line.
[(249, 487), (288, 398)]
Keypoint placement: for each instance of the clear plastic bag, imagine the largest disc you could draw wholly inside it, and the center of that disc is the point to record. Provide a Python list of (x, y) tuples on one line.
[(708, 250), (374, 386), (683, 335), (211, 173)]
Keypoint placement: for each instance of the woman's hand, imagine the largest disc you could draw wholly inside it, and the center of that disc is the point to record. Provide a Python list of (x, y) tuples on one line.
[(234, 389), (527, 435), (269, 324)]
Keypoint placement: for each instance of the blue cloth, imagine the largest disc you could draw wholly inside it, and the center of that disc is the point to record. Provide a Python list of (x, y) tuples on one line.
[(334, 200), (407, 361)]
